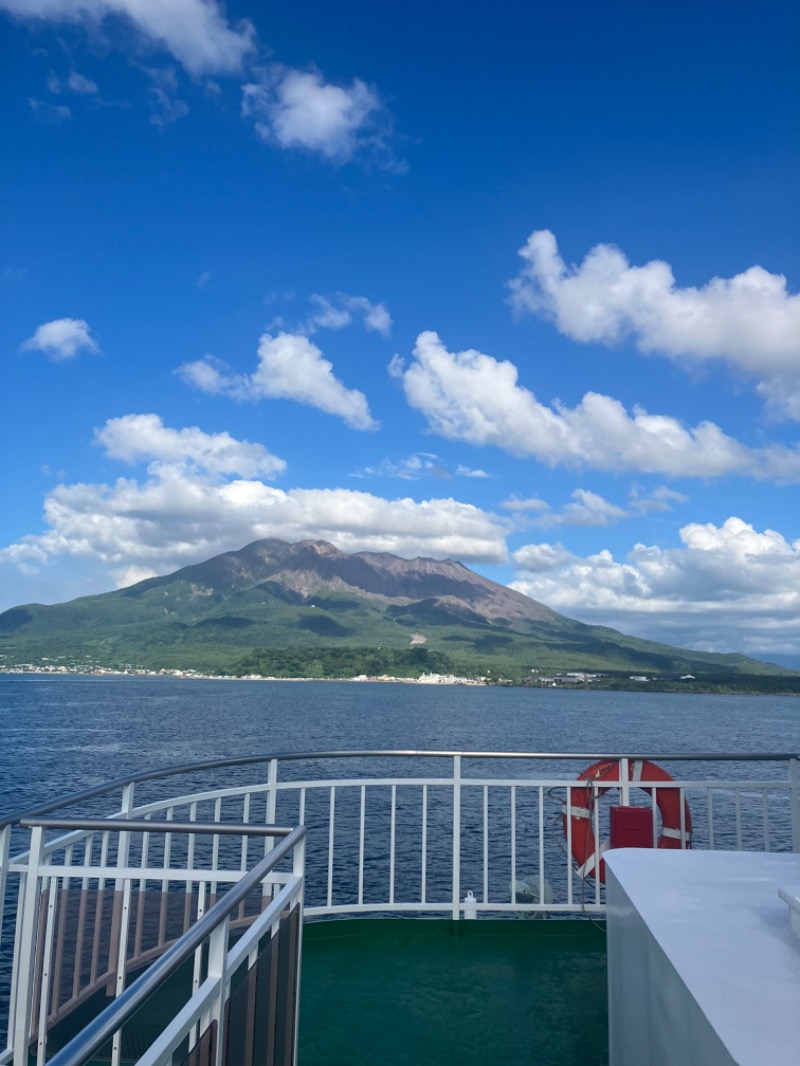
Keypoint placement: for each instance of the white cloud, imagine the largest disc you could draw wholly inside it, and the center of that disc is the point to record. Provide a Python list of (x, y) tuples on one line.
[(749, 320), (337, 312), (194, 31), (49, 112), (62, 339), (163, 96), (660, 498), (474, 397), (468, 471), (290, 367), (299, 109), (78, 83), (728, 587), (516, 504), (187, 509), (587, 509), (134, 438)]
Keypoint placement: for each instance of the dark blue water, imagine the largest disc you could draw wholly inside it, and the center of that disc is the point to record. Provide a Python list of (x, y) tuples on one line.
[(59, 735)]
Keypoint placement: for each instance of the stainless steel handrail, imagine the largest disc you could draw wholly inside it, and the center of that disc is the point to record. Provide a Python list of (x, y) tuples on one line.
[(251, 760), (142, 825), (99, 1031)]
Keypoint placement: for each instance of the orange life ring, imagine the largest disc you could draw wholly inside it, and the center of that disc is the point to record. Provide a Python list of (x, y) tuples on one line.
[(582, 802)]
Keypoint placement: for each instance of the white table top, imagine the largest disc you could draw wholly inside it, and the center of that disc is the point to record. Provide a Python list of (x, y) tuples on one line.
[(717, 917)]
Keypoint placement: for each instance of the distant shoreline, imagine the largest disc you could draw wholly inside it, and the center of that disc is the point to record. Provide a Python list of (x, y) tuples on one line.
[(728, 687)]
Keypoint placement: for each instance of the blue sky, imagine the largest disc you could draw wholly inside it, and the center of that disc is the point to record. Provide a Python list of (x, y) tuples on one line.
[(517, 287)]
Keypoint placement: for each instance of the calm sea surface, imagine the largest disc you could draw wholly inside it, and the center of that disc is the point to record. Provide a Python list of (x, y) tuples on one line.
[(58, 735)]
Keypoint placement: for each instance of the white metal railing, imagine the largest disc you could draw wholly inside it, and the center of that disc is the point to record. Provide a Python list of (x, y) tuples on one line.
[(66, 943), (388, 832)]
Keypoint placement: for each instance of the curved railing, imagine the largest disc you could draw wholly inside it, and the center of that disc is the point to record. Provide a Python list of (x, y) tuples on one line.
[(408, 832)]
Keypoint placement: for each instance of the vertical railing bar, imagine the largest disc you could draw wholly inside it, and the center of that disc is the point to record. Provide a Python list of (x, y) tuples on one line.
[(197, 965), (5, 851), (710, 804), (215, 846), (361, 825), (44, 977), (331, 826), (62, 922), (302, 811), (82, 906), (162, 917), (189, 890), (245, 843), (98, 911), (765, 797), (424, 863), (456, 884), (22, 894), (217, 959), (569, 845), (794, 802), (682, 796), (392, 839), (597, 845), (654, 810), (299, 871), (27, 935), (123, 850), (738, 795), (137, 940), (485, 843), (541, 844), (513, 840)]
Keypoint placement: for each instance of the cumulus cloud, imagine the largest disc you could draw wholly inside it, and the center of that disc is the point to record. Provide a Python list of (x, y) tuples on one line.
[(62, 339), (749, 320), (299, 109), (187, 508), (290, 367), (728, 587), (134, 438), (195, 32), (474, 397)]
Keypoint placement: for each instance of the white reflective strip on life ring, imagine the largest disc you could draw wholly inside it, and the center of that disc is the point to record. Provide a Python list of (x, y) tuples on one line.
[(591, 862), (577, 812), (636, 774), (676, 834)]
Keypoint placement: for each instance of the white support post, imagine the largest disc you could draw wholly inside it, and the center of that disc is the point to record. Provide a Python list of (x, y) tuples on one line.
[(27, 931), (47, 967), (456, 837), (299, 871), (123, 906), (272, 806), (624, 782), (794, 779), (217, 968)]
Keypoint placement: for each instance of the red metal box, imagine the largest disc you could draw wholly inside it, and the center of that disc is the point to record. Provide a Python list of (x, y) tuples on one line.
[(631, 827)]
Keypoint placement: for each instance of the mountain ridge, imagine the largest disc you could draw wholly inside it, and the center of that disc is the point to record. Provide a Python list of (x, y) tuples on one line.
[(273, 601)]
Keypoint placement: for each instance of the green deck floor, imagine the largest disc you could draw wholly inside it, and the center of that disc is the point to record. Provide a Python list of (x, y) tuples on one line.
[(483, 993)]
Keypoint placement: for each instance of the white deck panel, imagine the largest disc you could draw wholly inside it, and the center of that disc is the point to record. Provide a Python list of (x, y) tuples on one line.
[(703, 968)]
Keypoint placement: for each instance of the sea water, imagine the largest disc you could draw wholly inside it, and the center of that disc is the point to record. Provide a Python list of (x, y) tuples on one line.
[(62, 734)]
